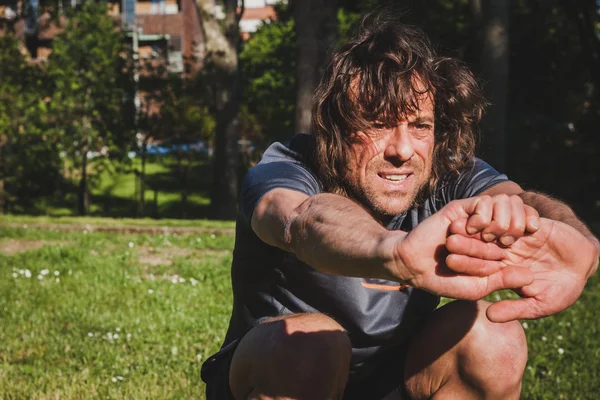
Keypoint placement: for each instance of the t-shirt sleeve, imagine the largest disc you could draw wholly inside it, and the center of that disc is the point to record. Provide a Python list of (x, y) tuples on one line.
[(268, 176), (478, 177)]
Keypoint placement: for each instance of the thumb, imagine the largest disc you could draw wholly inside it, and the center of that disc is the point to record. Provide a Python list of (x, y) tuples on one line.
[(510, 310)]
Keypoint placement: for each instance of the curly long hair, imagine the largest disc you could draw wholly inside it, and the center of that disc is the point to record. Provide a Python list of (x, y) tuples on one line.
[(380, 75)]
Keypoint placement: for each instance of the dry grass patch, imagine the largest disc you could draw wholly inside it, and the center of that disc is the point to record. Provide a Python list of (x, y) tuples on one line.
[(11, 247), (152, 256)]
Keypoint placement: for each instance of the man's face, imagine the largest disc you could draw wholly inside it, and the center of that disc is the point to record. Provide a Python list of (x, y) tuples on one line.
[(389, 166)]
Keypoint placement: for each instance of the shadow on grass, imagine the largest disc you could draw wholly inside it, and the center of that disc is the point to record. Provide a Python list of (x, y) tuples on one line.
[(163, 196)]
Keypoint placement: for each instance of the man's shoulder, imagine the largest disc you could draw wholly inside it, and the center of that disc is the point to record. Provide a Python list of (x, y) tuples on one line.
[(295, 150)]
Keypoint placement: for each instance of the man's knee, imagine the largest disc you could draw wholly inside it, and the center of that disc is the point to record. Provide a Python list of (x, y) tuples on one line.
[(461, 354), (286, 356), (493, 356)]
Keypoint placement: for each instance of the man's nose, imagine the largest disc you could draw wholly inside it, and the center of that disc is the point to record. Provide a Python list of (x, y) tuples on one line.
[(400, 145)]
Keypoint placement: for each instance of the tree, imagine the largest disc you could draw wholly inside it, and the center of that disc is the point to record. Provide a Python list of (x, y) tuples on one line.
[(24, 147), (268, 64), (316, 33), (90, 79), (492, 20), (221, 51)]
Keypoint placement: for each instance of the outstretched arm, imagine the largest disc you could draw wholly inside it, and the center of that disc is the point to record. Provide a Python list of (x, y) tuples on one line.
[(337, 236)]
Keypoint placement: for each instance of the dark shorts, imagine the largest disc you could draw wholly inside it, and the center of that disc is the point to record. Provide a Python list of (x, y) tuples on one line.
[(385, 383)]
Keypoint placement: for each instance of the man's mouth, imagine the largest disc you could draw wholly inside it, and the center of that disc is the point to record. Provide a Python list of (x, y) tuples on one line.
[(394, 177)]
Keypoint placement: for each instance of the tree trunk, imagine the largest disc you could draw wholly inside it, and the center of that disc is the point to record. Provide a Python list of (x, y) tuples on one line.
[(316, 33), (493, 19), (222, 52), (2, 142), (184, 189), (83, 200), (143, 176)]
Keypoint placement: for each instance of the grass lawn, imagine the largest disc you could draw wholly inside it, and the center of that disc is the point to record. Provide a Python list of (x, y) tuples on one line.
[(101, 315)]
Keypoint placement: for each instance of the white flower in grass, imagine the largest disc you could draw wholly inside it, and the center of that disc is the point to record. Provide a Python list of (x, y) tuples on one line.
[(116, 336), (90, 334), (44, 272), (150, 291), (128, 336), (181, 280), (113, 379), (174, 350), (212, 236), (174, 279), (27, 273), (561, 351), (199, 357), (15, 275), (85, 232), (198, 239), (22, 271), (40, 277), (193, 281), (559, 337), (120, 378), (525, 326), (70, 272), (117, 329), (57, 280), (544, 338), (131, 245), (56, 273)]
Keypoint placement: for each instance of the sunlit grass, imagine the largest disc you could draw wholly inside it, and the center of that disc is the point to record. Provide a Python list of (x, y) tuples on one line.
[(191, 223), (101, 315)]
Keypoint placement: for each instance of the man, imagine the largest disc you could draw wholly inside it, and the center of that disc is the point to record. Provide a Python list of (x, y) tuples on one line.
[(347, 238)]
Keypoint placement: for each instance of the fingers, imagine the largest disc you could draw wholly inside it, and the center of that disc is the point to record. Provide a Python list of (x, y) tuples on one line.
[(472, 266), (502, 218), (481, 216), (510, 277), (467, 287), (473, 247), (533, 219), (510, 310)]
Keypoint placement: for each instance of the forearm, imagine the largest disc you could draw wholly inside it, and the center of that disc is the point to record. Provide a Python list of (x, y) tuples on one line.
[(337, 236), (556, 210)]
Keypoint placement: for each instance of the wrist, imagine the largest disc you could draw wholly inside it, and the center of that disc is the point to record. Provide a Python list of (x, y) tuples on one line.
[(391, 251)]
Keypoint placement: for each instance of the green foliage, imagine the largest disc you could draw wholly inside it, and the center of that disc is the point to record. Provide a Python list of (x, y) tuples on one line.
[(27, 151), (182, 115), (90, 78), (268, 63)]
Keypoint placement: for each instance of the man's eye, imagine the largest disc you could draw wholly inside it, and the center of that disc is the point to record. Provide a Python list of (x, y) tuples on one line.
[(378, 126), (424, 127)]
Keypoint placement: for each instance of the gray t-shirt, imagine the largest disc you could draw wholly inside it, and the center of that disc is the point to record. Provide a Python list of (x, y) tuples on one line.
[(267, 281)]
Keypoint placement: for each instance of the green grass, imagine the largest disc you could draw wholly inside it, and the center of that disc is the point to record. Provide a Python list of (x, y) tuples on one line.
[(106, 320), (116, 222)]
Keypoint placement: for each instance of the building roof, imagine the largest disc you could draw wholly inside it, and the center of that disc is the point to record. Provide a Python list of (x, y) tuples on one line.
[(161, 24), (261, 13)]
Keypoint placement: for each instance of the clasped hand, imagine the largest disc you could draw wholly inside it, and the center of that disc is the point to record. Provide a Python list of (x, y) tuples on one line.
[(483, 244)]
